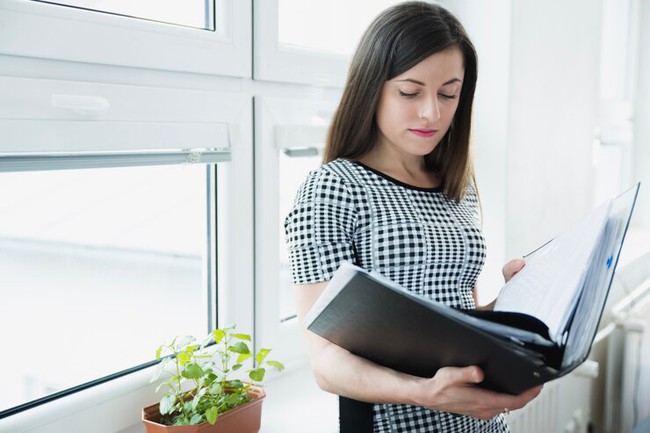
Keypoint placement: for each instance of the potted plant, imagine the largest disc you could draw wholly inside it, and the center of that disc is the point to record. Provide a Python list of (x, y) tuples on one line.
[(202, 395)]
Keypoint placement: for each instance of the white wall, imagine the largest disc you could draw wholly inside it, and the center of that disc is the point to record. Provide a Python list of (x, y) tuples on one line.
[(641, 162), (534, 120), (552, 101), (490, 134)]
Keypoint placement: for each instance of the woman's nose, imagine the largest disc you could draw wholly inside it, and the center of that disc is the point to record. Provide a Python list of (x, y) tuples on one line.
[(430, 110)]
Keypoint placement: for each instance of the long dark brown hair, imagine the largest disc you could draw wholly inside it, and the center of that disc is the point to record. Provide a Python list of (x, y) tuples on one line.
[(398, 39)]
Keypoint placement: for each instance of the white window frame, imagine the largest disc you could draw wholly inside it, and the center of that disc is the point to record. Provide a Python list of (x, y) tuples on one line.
[(124, 397), (272, 58), (49, 31), (299, 122), (152, 87), (140, 91)]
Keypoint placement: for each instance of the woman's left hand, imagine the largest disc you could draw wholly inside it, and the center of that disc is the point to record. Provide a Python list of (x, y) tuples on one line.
[(511, 268)]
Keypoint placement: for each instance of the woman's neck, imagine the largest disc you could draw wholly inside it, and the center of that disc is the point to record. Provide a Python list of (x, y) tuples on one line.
[(410, 169)]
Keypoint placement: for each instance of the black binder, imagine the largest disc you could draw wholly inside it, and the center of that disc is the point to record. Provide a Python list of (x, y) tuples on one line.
[(372, 317)]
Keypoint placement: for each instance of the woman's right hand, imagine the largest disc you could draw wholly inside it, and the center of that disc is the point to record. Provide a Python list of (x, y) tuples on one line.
[(454, 390)]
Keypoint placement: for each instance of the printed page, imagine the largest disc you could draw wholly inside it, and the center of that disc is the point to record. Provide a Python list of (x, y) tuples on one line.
[(549, 285)]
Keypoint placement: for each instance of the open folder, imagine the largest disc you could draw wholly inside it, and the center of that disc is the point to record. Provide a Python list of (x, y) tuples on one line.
[(542, 327)]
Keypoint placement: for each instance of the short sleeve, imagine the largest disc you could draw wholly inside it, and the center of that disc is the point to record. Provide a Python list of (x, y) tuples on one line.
[(320, 227)]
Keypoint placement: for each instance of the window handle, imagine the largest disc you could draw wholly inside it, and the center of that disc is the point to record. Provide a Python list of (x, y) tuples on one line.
[(297, 152), (289, 137), (84, 105)]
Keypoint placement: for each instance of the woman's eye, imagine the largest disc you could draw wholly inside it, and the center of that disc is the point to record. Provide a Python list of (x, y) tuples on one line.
[(407, 95), (447, 96)]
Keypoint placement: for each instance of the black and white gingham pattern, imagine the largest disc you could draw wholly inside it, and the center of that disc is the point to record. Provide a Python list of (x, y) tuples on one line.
[(433, 246)]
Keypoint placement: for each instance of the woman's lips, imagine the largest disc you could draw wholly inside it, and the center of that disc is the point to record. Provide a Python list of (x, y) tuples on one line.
[(424, 132)]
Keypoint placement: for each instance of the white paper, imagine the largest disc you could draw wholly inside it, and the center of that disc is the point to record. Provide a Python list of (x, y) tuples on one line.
[(549, 285)]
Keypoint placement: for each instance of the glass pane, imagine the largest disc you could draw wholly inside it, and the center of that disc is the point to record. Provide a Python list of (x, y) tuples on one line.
[(93, 267), (293, 171), (189, 13), (333, 26)]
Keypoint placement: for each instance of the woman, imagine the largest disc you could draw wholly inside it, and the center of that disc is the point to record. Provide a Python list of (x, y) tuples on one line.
[(396, 195)]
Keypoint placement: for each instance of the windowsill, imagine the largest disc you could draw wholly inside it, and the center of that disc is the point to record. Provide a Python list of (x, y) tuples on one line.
[(294, 403)]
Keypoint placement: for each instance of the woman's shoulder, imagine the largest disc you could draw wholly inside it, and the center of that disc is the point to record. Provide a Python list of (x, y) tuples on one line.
[(471, 192), (337, 171), (340, 167), (330, 179)]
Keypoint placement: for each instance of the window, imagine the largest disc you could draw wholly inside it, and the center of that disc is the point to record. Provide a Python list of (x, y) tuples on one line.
[(190, 13), (613, 145), (301, 34), (94, 263), (293, 167), (290, 133), (308, 26), (108, 205), (36, 29)]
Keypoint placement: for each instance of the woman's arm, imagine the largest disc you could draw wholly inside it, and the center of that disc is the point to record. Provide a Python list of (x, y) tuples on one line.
[(451, 390)]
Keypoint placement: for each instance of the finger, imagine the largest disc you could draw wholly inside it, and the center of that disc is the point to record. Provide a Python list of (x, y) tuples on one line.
[(512, 267), (461, 375)]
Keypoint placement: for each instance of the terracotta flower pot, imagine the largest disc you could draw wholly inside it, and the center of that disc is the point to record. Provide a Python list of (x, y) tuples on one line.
[(242, 419)]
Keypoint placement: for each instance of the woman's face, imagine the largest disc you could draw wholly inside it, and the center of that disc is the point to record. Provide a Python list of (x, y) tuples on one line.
[(416, 108)]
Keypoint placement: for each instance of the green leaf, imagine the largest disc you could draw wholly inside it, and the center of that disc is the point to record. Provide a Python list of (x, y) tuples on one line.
[(243, 357), (190, 349), (234, 399), (181, 420), (197, 398), (245, 337), (236, 367), (236, 383), (183, 358), (240, 347), (209, 378), (216, 389), (192, 371), (167, 404), (212, 414), (257, 374), (158, 352), (218, 335), (196, 419), (276, 364), (261, 355)]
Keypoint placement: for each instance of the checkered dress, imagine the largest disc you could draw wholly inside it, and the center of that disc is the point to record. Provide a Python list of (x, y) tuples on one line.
[(433, 246)]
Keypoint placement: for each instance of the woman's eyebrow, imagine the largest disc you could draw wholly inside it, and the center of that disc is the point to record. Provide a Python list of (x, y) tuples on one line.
[(453, 80), (411, 80)]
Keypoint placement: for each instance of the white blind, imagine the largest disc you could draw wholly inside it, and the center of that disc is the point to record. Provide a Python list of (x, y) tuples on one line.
[(55, 124), (63, 161)]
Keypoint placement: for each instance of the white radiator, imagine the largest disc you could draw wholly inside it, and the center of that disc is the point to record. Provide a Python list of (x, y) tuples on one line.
[(564, 405), (627, 386), (610, 393)]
